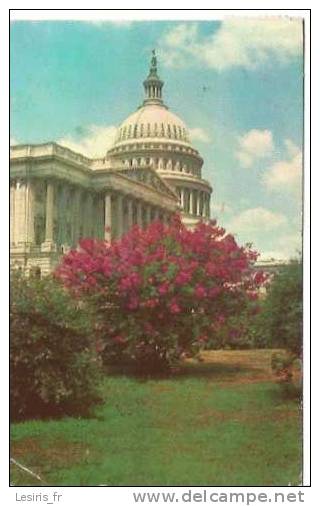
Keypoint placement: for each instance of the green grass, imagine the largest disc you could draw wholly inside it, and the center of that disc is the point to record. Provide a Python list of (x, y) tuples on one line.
[(221, 422)]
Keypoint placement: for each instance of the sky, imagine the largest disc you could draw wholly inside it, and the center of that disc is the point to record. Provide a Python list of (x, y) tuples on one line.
[(237, 84)]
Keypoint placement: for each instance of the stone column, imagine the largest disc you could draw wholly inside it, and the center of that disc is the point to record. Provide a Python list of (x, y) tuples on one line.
[(182, 198), (187, 201), (99, 233), (119, 211), (198, 203), (107, 217), (12, 212), (62, 214), (139, 214), (208, 205), (156, 214), (48, 241), (90, 214), (193, 204), (148, 214), (21, 212), (76, 215), (130, 213), (85, 218), (29, 213), (204, 204)]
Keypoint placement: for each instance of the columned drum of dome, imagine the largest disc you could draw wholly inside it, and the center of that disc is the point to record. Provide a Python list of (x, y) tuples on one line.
[(155, 137)]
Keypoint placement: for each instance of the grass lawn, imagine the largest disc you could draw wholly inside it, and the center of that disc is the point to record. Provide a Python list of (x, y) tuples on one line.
[(219, 422)]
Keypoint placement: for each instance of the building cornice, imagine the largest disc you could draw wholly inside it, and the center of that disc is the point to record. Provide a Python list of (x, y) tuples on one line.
[(54, 161)]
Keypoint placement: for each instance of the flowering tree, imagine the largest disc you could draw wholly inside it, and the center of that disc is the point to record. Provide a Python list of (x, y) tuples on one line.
[(162, 292)]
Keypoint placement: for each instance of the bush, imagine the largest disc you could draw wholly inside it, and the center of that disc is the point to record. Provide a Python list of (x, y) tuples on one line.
[(281, 320), (163, 292), (53, 367), (281, 317)]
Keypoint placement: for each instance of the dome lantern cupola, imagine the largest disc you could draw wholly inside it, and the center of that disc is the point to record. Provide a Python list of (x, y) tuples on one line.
[(153, 84)]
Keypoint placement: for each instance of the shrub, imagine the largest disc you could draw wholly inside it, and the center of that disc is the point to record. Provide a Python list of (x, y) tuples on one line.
[(283, 310), (280, 323), (162, 292), (53, 368)]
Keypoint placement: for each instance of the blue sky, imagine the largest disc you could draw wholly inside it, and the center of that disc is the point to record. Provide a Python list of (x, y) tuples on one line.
[(237, 84)]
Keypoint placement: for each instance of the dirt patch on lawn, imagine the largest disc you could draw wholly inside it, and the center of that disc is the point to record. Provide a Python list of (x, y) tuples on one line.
[(59, 453), (235, 366)]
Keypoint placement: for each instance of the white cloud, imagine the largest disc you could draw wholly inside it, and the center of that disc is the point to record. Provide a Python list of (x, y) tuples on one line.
[(286, 174), (94, 143), (254, 145), (258, 219), (286, 246), (199, 134), (237, 42)]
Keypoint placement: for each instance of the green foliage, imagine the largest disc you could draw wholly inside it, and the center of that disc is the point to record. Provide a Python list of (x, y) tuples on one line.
[(280, 325), (53, 366), (280, 321)]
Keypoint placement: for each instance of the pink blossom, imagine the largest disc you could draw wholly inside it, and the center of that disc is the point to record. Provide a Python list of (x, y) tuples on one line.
[(200, 291), (151, 303), (163, 288), (175, 308)]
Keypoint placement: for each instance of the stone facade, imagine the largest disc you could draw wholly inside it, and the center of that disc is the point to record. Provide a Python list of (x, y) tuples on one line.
[(58, 196)]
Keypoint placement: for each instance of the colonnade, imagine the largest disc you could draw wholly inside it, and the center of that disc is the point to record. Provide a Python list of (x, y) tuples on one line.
[(162, 164), (195, 202), (66, 212)]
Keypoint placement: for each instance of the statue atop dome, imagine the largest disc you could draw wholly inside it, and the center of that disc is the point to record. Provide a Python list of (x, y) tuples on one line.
[(153, 62), (153, 84)]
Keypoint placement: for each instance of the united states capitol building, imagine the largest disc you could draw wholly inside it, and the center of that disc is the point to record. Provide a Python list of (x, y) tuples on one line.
[(58, 196)]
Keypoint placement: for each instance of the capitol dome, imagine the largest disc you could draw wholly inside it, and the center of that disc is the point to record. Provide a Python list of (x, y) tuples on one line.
[(153, 121), (155, 137)]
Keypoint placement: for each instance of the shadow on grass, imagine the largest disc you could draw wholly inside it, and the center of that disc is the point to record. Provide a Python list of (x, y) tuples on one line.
[(214, 371)]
